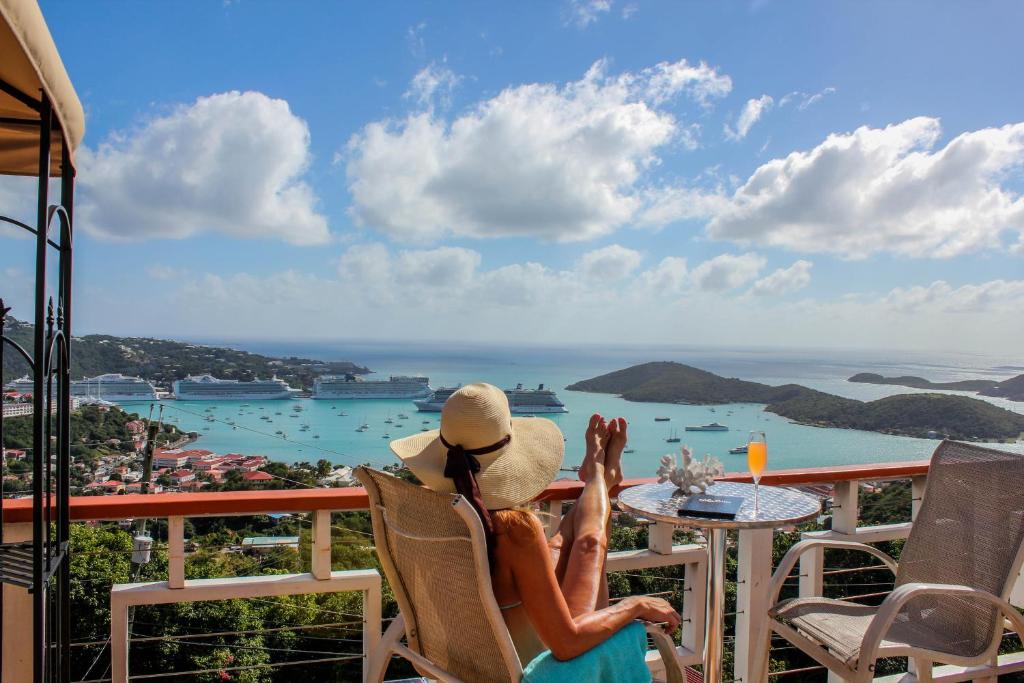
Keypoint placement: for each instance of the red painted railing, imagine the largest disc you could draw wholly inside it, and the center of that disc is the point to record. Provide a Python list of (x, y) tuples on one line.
[(85, 508)]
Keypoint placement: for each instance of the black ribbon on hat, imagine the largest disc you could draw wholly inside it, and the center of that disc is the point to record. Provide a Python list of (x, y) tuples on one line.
[(461, 467)]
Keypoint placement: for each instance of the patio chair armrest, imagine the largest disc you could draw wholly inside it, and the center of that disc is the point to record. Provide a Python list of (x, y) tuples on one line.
[(901, 595), (667, 649), (793, 555)]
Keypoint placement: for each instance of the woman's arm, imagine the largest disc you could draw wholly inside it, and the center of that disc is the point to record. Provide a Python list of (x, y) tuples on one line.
[(567, 637)]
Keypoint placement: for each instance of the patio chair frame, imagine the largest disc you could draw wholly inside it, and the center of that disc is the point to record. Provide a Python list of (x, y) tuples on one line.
[(872, 647)]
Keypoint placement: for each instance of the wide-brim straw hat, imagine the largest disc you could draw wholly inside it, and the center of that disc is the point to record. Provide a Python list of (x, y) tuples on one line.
[(475, 417)]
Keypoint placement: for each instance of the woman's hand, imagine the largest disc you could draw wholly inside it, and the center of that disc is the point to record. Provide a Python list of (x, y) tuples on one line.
[(656, 611)]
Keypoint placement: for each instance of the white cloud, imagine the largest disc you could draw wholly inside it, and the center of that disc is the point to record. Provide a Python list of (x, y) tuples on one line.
[(752, 112), (611, 263), (784, 280), (433, 83), (668, 277), (440, 268), (804, 100), (583, 13), (525, 285), (995, 296), (669, 204), (727, 271), (628, 11), (230, 163), (555, 162), (883, 189), (665, 80)]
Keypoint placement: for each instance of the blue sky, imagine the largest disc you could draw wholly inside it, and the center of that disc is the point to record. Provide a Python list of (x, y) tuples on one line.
[(530, 171)]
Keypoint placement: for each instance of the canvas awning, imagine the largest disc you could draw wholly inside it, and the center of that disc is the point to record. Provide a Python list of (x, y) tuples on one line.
[(30, 66)]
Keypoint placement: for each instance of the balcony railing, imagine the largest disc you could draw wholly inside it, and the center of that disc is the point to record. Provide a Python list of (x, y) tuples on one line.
[(753, 549)]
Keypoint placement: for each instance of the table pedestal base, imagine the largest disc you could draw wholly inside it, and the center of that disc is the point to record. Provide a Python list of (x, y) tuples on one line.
[(715, 614)]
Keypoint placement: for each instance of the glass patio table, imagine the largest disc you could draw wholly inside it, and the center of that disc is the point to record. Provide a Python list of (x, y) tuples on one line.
[(777, 507)]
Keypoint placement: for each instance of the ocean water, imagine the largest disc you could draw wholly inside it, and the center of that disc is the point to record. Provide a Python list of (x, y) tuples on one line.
[(333, 436)]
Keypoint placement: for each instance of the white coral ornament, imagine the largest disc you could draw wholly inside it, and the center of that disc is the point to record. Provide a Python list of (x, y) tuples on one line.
[(694, 476)]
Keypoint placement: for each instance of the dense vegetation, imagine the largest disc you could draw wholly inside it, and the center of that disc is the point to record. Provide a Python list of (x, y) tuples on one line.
[(957, 417), (922, 383), (163, 361)]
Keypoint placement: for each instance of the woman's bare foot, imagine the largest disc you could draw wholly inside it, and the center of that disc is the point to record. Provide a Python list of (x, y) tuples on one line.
[(595, 438), (616, 442)]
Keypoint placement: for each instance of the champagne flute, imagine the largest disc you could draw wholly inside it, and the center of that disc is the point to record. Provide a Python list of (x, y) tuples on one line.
[(757, 460)]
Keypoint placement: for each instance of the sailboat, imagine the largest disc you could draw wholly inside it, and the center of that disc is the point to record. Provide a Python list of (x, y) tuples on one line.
[(673, 437)]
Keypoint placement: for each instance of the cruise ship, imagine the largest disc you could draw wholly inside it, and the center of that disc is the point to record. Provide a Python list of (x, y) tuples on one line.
[(520, 401), (341, 387), (111, 387), (209, 388)]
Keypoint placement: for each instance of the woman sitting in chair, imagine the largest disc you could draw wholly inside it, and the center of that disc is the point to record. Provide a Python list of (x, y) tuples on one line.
[(552, 592)]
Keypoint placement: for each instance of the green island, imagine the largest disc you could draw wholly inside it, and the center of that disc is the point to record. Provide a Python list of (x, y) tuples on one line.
[(162, 361), (922, 383), (1011, 389), (920, 415)]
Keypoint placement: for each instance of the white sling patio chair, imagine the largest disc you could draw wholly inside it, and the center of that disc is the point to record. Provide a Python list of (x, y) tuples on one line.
[(952, 584), (432, 550)]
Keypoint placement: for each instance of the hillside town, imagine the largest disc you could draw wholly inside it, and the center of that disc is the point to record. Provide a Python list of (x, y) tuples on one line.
[(115, 464)]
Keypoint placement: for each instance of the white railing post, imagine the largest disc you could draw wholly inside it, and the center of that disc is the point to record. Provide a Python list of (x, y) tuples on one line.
[(754, 571), (371, 626), (175, 552), (119, 638), (845, 511), (845, 499), (320, 563), (695, 581), (659, 538), (811, 564)]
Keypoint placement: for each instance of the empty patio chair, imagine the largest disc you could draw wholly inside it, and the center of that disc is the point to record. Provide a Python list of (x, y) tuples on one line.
[(432, 550), (955, 574)]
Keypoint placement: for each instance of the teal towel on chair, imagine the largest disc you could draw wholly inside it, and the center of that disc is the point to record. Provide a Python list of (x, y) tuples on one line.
[(620, 659)]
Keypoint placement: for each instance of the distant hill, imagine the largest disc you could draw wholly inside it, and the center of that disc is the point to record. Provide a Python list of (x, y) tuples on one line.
[(668, 382), (162, 361), (1012, 389), (922, 383), (922, 415)]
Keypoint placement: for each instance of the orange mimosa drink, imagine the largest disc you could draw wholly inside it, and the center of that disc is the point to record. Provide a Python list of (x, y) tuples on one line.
[(757, 458)]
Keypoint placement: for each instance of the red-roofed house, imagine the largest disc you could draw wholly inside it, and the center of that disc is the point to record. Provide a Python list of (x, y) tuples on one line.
[(107, 487), (207, 465), (180, 477), (172, 459), (136, 487), (257, 476), (135, 427)]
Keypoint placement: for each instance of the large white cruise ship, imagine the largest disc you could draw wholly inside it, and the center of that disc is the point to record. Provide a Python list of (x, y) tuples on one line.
[(351, 386), (209, 388), (113, 387), (520, 401)]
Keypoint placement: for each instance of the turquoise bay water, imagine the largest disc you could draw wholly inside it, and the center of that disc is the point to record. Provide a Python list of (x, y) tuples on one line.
[(790, 445)]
